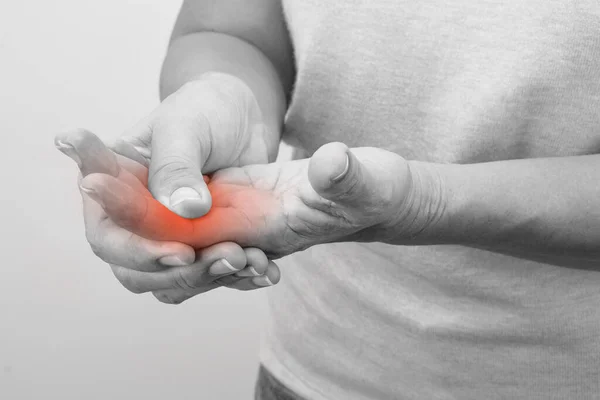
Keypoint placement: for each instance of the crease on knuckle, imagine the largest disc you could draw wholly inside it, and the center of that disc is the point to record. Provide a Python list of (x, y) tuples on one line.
[(173, 167), (183, 281)]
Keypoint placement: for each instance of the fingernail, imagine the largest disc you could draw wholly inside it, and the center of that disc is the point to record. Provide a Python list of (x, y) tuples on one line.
[(221, 267), (248, 272), (262, 281), (93, 194), (184, 194), (164, 200), (344, 172), (189, 203), (69, 151), (144, 152), (185, 200), (172, 261)]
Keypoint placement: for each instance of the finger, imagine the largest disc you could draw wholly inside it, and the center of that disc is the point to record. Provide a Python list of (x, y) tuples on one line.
[(174, 296), (140, 134), (227, 280), (179, 150), (126, 206), (133, 167), (146, 217), (93, 156), (129, 151), (142, 282), (116, 245), (192, 278), (337, 175), (257, 263), (136, 142), (88, 151), (271, 277), (93, 213), (134, 175)]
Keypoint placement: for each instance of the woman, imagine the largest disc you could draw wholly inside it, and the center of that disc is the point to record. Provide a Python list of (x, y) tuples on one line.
[(447, 249)]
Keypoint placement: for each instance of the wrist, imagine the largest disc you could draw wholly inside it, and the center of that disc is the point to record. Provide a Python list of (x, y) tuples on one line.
[(421, 215)]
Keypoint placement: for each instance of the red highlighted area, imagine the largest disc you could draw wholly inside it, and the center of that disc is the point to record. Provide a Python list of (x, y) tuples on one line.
[(246, 202), (238, 211)]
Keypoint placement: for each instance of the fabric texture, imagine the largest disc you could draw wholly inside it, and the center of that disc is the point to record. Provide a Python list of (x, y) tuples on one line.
[(457, 81)]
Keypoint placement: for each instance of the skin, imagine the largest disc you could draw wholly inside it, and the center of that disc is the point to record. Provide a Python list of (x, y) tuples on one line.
[(225, 84), (172, 271), (224, 88), (281, 208), (515, 207)]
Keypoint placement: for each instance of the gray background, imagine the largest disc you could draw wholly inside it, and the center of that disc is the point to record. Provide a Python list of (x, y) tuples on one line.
[(68, 330)]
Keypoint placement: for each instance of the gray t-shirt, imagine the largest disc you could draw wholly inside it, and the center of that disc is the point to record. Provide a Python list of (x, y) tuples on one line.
[(447, 81)]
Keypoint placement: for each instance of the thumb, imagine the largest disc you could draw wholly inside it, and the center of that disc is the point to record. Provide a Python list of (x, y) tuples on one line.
[(175, 179), (337, 175)]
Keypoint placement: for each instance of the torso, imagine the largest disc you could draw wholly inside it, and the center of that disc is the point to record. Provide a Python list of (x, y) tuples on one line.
[(450, 82)]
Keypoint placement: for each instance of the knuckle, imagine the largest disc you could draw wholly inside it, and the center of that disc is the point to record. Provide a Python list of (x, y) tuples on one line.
[(174, 167), (184, 281), (166, 298)]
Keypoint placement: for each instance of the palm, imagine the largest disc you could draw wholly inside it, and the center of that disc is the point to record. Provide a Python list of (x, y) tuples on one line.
[(276, 207), (272, 207)]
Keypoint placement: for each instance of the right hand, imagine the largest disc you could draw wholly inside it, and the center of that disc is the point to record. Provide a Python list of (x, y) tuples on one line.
[(172, 271), (209, 124)]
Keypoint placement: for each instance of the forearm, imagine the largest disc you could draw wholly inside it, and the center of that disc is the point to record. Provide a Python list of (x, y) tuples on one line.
[(539, 209), (193, 55)]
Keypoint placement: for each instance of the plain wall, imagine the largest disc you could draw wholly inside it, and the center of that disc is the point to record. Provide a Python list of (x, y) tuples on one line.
[(68, 330)]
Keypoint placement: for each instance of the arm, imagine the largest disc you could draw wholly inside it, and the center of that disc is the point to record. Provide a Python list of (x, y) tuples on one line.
[(244, 38), (542, 209), (536, 209)]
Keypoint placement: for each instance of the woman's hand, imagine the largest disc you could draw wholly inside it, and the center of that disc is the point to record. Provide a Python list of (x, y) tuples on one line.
[(173, 271), (339, 194), (211, 123)]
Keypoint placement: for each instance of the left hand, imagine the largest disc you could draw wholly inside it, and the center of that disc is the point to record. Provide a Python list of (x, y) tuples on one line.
[(363, 194)]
